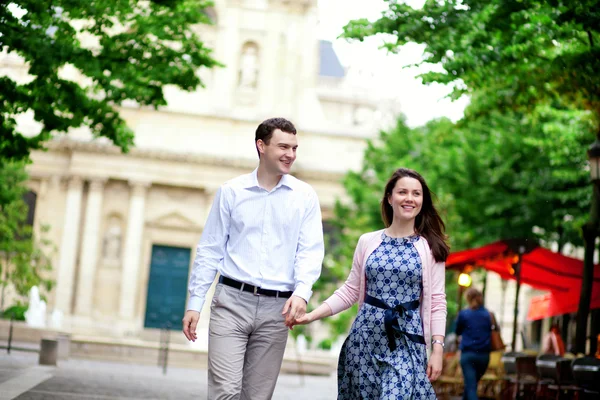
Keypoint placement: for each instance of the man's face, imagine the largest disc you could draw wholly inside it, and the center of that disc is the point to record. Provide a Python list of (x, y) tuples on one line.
[(279, 155)]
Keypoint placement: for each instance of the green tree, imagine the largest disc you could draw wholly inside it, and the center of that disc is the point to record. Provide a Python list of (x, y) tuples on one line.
[(514, 54), (25, 259), (122, 49), (529, 68)]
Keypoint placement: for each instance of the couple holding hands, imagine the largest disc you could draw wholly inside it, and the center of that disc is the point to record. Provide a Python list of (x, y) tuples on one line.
[(264, 237)]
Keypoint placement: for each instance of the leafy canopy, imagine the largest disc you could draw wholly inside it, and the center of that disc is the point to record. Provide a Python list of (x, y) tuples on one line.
[(86, 58), (25, 256), (515, 54)]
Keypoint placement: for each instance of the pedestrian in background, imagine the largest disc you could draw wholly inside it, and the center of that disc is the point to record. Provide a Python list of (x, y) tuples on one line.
[(474, 325), (553, 342)]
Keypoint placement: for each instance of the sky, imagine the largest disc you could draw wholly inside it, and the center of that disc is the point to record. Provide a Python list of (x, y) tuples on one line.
[(385, 71)]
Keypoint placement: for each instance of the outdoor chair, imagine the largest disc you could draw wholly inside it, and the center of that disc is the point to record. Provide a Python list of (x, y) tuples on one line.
[(523, 383), (547, 371), (586, 373), (508, 360), (565, 387)]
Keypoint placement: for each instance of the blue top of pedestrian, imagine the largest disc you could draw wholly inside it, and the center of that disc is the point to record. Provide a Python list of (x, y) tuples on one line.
[(475, 327)]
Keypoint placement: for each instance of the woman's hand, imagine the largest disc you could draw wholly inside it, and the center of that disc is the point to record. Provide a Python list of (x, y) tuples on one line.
[(320, 312), (434, 367), (305, 319)]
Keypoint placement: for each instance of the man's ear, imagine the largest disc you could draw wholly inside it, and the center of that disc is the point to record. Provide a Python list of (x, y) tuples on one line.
[(260, 146)]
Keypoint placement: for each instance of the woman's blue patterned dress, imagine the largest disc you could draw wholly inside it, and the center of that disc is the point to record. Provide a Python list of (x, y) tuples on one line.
[(370, 367)]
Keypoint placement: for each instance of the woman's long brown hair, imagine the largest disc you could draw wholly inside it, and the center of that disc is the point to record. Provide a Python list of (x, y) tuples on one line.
[(428, 223)]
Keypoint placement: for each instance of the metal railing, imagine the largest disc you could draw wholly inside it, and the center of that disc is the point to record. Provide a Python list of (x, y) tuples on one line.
[(163, 349), (9, 346)]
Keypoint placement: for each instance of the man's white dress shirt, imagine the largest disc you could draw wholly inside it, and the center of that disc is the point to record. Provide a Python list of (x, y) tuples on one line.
[(273, 240)]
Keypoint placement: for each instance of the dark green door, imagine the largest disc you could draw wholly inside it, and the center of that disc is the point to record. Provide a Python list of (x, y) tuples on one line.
[(167, 286)]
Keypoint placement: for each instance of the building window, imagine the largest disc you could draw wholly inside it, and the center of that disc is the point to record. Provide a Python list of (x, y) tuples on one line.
[(30, 199)]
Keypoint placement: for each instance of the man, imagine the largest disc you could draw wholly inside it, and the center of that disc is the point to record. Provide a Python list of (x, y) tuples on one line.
[(264, 235)]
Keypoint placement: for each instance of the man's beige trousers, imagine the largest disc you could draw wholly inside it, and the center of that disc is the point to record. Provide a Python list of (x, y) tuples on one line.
[(247, 338)]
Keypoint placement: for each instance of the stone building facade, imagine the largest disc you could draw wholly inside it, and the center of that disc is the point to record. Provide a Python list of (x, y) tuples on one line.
[(126, 225)]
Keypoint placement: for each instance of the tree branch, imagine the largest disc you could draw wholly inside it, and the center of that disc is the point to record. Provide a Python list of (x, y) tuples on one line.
[(591, 38)]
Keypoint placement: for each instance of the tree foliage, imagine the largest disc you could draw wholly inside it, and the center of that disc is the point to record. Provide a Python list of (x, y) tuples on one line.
[(514, 54), (121, 50), (25, 259)]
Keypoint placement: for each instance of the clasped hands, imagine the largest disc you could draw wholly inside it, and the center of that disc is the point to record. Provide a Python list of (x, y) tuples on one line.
[(295, 312)]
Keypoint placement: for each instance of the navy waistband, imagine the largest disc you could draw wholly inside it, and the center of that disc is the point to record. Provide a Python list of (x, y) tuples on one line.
[(391, 319)]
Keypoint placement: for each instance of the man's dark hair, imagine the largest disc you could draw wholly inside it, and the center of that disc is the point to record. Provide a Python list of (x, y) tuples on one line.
[(265, 130)]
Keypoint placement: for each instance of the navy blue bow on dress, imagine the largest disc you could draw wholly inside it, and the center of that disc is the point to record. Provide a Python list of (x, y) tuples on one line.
[(391, 316)]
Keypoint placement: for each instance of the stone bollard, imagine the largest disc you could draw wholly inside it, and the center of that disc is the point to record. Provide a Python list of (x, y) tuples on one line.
[(64, 346), (48, 352)]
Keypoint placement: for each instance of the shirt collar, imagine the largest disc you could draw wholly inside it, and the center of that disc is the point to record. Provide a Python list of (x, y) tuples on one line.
[(285, 180)]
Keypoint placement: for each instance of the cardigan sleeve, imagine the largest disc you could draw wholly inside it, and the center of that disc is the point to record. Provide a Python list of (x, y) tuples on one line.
[(348, 294), (438, 299)]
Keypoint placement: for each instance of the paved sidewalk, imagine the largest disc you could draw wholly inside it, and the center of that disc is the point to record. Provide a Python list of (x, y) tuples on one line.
[(21, 378)]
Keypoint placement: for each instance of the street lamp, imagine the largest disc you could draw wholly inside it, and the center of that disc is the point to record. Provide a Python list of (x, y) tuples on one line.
[(590, 232), (516, 268), (464, 281)]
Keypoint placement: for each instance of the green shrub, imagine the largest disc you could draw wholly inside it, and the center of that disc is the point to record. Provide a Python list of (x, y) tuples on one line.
[(325, 344), (18, 311)]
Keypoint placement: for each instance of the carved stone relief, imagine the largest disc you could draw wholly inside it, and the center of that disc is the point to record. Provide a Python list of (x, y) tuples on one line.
[(249, 66), (113, 239)]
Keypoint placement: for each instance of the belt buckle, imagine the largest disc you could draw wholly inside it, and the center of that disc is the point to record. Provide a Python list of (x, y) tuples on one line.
[(256, 291)]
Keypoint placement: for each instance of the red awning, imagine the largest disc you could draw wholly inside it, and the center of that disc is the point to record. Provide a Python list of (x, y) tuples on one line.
[(540, 268), (477, 256), (539, 307), (553, 304)]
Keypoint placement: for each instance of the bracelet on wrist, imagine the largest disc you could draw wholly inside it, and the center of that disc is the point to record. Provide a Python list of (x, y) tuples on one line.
[(437, 342)]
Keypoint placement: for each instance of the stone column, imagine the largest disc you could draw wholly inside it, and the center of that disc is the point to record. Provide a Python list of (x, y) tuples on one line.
[(68, 246), (227, 51), (273, 58), (133, 244), (89, 248)]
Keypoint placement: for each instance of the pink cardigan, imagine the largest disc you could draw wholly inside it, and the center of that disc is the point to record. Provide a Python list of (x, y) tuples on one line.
[(433, 297)]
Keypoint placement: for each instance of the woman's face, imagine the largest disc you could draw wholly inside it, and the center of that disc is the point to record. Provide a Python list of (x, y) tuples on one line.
[(406, 198)]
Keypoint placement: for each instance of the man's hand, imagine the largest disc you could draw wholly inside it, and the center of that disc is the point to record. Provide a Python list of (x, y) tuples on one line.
[(190, 321), (295, 307)]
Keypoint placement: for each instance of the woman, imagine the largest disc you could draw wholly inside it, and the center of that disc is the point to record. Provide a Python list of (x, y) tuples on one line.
[(397, 277), (553, 342), (474, 325)]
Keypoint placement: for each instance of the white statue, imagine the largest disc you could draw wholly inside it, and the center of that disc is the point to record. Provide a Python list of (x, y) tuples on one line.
[(56, 319), (35, 315), (249, 67), (112, 241), (301, 344)]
